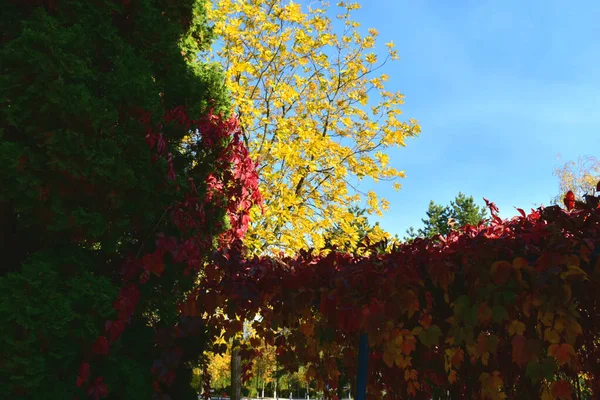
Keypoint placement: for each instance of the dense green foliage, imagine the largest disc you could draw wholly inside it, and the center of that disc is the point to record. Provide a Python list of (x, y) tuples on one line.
[(81, 190), (441, 220)]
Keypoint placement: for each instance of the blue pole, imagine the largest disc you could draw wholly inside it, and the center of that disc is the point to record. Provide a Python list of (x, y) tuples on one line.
[(363, 360)]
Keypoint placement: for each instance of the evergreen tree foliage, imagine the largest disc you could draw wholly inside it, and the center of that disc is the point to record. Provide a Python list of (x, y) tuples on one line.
[(80, 191), (441, 220)]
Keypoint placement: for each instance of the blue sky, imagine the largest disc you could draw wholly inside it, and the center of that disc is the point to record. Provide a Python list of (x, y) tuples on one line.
[(500, 89)]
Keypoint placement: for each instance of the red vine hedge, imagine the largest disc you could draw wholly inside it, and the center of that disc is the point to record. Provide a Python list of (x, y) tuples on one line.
[(508, 310)]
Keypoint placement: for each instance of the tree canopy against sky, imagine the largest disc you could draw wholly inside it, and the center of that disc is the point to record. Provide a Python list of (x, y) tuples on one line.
[(442, 219), (314, 111)]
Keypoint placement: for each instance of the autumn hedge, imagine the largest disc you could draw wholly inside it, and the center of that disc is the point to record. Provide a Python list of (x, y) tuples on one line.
[(504, 311)]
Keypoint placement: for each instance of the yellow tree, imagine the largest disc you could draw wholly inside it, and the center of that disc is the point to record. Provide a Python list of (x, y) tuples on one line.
[(580, 176), (263, 368), (314, 110), (219, 369)]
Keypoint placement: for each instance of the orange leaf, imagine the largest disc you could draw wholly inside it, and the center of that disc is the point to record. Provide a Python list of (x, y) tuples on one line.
[(408, 344), (562, 390), (457, 358), (307, 329), (411, 374), (562, 352), (425, 320), (412, 387), (452, 377), (519, 263)]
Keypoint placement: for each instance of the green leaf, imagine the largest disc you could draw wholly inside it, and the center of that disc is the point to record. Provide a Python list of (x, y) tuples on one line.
[(499, 314), (509, 297), (468, 335), (431, 336), (470, 316), (548, 368), (493, 341), (534, 371)]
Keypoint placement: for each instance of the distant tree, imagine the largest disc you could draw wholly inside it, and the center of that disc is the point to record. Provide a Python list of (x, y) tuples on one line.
[(579, 176), (442, 219), (219, 369)]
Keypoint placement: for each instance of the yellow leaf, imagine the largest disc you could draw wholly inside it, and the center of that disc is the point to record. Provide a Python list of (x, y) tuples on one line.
[(547, 318), (389, 358), (546, 395), (516, 327), (551, 336), (485, 358), (416, 330)]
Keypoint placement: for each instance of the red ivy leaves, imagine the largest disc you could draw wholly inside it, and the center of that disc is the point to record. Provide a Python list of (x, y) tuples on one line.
[(562, 390), (98, 389), (84, 374), (154, 263), (114, 329), (101, 346)]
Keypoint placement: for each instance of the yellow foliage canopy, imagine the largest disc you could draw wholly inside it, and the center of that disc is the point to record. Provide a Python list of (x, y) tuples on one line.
[(313, 110)]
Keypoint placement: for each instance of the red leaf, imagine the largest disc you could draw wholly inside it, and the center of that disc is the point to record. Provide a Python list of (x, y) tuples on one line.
[(101, 346), (492, 206), (98, 389), (562, 352), (519, 353), (84, 374), (562, 390), (171, 174), (598, 187), (154, 263), (569, 200), (114, 329)]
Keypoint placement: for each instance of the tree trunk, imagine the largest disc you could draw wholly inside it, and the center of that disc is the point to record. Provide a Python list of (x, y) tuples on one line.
[(236, 372), (257, 374), (263, 390)]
